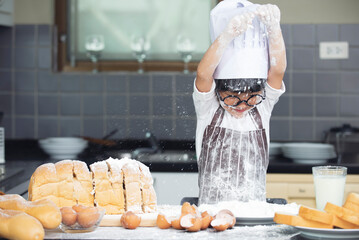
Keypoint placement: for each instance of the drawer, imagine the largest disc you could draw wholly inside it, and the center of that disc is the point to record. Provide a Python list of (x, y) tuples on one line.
[(301, 190), (276, 190), (308, 202)]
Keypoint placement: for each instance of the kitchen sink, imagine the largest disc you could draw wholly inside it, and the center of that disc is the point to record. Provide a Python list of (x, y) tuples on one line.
[(168, 157)]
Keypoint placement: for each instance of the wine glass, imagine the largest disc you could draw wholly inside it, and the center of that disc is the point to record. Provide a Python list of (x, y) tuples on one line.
[(94, 45), (185, 47), (140, 46)]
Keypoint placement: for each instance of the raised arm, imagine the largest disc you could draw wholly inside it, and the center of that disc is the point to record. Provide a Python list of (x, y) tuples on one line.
[(270, 15), (236, 26)]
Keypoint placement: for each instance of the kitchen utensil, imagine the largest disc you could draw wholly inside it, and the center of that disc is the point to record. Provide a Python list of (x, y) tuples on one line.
[(329, 183), (103, 141), (346, 142)]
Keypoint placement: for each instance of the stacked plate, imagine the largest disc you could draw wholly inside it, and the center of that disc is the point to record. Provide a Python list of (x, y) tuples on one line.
[(309, 153), (63, 147), (275, 149)]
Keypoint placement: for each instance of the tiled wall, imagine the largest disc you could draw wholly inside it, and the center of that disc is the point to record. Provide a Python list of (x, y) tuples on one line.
[(39, 103)]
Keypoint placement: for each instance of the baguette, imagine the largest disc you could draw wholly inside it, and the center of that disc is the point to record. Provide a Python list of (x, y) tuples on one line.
[(315, 215), (343, 213), (44, 210), (298, 221), (20, 226)]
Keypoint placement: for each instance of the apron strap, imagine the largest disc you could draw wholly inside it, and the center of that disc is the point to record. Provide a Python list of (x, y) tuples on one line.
[(218, 117), (256, 118)]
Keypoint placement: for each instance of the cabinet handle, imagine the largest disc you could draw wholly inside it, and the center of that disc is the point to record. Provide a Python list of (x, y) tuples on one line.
[(301, 190)]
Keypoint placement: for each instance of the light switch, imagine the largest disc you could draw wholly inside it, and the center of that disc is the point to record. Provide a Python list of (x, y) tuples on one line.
[(334, 50)]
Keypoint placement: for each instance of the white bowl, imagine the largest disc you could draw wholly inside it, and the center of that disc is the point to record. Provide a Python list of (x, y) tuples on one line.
[(63, 148)]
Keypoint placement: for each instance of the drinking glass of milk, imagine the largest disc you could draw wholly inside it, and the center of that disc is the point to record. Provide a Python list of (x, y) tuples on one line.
[(329, 183)]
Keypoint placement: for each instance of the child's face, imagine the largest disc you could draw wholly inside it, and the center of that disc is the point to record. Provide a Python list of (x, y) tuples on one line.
[(229, 101)]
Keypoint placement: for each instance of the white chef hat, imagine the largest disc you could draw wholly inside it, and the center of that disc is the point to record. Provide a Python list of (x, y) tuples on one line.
[(247, 55)]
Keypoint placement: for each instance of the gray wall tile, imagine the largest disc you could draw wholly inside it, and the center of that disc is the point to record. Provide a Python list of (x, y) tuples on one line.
[(184, 83), (162, 83), (24, 127), (93, 83), (352, 62), (48, 127), (303, 58), (303, 83), (70, 82), (25, 35), (5, 81), (44, 35), (6, 36), (70, 126), (303, 35), (5, 103), (47, 81), (185, 106), (327, 33), (25, 81), (25, 104), (326, 106), (349, 106), (93, 105), (327, 82), (163, 129), (139, 105), (322, 127), (286, 32), (302, 106), (282, 107), (48, 105), (116, 83), (139, 83), (44, 57), (116, 105), (185, 129), (70, 105), (138, 128), (25, 57), (5, 57), (349, 82), (119, 124), (325, 63), (302, 130), (93, 127), (350, 33), (279, 130), (162, 105)]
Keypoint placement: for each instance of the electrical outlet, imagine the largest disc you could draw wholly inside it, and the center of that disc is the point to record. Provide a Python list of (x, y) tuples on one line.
[(334, 50)]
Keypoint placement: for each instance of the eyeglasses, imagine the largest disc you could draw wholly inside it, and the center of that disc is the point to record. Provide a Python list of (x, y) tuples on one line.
[(234, 101)]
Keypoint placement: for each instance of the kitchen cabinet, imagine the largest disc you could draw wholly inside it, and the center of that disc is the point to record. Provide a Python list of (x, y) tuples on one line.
[(6, 12), (171, 187), (299, 188)]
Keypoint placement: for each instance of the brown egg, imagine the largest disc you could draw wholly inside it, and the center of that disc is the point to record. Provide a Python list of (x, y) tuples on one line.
[(162, 222), (78, 207), (88, 217), (69, 216), (227, 214), (191, 222), (206, 220), (176, 224), (130, 220)]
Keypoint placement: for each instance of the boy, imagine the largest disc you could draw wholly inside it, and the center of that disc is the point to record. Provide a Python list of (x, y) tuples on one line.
[(237, 85)]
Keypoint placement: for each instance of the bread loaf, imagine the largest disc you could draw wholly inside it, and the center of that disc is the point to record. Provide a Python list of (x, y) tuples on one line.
[(43, 210), (20, 226), (298, 221), (116, 185), (343, 213)]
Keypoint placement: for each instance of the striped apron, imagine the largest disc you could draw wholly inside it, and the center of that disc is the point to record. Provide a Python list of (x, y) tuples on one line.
[(233, 164)]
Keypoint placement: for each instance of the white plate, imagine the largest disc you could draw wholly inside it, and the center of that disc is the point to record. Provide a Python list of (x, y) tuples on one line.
[(250, 221), (328, 233)]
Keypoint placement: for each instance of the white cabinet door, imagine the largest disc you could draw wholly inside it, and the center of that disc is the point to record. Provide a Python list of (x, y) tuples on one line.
[(171, 187), (6, 12)]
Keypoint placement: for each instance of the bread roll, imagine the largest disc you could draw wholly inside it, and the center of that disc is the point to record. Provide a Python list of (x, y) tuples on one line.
[(44, 210), (20, 226)]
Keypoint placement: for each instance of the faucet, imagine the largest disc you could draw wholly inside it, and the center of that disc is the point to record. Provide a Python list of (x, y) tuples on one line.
[(155, 146)]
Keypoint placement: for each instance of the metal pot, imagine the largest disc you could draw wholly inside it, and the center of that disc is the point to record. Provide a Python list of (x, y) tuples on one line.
[(346, 142)]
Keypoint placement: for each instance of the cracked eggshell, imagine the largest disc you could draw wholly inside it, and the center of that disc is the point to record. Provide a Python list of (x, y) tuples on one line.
[(162, 222), (191, 222), (228, 216), (206, 220)]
